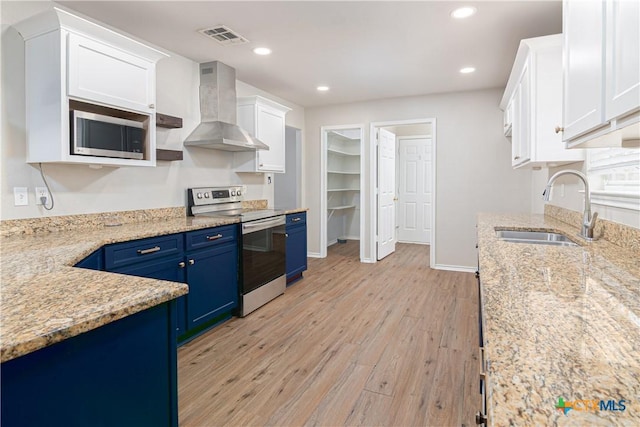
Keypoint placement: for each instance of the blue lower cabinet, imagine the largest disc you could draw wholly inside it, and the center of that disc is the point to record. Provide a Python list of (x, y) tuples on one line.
[(212, 275), (296, 230), (121, 374), (171, 269), (95, 261)]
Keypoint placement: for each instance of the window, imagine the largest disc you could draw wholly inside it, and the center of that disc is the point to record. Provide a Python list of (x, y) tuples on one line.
[(614, 177)]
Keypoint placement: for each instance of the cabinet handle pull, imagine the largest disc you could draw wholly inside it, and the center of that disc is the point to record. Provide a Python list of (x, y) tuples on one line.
[(148, 251), (286, 234), (559, 129), (296, 219), (261, 164), (516, 158), (216, 237), (191, 262), (181, 264), (152, 105)]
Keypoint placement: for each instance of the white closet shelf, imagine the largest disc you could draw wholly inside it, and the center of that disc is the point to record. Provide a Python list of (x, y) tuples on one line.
[(344, 172), (339, 208), (343, 189), (341, 152)]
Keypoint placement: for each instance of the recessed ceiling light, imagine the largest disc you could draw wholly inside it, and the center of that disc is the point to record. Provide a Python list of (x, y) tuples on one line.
[(464, 12), (323, 88), (262, 51), (467, 70)]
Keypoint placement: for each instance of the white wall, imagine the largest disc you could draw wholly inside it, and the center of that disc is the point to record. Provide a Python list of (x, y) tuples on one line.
[(473, 164), (79, 189)]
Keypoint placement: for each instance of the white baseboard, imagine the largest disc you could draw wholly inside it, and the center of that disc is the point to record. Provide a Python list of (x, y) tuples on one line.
[(414, 243), (460, 268), (367, 261), (313, 255), (333, 242)]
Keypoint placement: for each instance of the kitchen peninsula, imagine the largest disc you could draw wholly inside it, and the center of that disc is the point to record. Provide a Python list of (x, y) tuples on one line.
[(82, 342)]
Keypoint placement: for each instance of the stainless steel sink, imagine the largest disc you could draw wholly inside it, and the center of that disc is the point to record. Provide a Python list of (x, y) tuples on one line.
[(535, 237)]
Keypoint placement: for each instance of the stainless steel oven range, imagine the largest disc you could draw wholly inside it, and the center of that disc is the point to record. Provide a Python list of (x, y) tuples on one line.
[(262, 248)]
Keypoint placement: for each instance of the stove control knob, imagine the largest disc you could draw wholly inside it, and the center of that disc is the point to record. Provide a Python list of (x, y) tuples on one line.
[(199, 195), (239, 193), (233, 193), (206, 195)]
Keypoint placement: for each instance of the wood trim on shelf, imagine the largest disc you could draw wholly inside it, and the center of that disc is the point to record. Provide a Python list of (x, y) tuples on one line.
[(170, 155), (169, 122)]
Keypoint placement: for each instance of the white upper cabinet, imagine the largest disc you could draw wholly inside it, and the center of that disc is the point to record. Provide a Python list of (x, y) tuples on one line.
[(601, 51), (622, 58), (533, 102), (264, 119), (74, 64), (104, 74)]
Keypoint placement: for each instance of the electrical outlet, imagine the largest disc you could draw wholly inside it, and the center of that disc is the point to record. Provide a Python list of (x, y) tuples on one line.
[(20, 196), (40, 193)]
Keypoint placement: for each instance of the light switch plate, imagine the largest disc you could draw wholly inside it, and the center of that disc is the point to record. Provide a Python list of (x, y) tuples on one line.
[(20, 196)]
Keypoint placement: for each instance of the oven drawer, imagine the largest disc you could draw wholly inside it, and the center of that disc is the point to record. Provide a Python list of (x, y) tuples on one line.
[(211, 236), (296, 219), (120, 254)]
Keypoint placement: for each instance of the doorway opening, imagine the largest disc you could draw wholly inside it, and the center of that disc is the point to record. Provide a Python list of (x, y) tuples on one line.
[(342, 213), (403, 195)]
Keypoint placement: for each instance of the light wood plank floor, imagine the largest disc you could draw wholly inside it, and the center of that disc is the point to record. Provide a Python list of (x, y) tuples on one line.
[(387, 344)]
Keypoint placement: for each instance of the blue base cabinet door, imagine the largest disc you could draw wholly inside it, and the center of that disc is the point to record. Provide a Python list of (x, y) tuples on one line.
[(121, 374), (169, 268), (296, 229), (212, 275)]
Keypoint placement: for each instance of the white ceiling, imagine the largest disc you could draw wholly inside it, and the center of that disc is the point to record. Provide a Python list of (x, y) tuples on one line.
[(362, 50)]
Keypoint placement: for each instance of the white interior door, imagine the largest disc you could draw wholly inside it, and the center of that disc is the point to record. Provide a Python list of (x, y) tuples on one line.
[(414, 190), (386, 193)]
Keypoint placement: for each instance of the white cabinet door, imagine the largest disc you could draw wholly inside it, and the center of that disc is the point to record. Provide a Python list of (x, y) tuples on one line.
[(524, 151), (622, 58), (101, 73), (583, 66), (271, 129)]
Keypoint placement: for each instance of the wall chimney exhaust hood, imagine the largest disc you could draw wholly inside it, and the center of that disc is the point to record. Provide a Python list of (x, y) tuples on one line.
[(218, 113)]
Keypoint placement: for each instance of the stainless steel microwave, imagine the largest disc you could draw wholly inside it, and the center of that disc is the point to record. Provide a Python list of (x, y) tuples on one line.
[(106, 136)]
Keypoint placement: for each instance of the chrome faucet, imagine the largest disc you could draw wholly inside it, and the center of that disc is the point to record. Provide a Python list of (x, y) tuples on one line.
[(588, 220)]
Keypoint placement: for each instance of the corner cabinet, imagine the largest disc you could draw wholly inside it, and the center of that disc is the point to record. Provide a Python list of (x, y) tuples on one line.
[(74, 64), (532, 105), (264, 119), (601, 44)]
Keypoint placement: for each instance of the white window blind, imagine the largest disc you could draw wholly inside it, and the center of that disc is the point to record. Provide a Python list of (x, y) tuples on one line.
[(614, 176)]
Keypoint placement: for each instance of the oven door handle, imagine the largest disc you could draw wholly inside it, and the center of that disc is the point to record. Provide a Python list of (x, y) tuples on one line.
[(262, 224)]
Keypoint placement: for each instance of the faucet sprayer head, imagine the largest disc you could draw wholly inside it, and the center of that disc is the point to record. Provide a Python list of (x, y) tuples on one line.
[(546, 194)]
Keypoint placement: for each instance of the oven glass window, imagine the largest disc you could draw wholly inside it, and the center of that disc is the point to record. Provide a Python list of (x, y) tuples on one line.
[(263, 257)]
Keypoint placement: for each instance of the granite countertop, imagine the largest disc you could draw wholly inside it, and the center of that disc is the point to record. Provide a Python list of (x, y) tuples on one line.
[(559, 322), (45, 300), (289, 210)]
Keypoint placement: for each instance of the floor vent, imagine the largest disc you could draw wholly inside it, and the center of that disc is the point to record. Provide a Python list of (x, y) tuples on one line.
[(223, 35)]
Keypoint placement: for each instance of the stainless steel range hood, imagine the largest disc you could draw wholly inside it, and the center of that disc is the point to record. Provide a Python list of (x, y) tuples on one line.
[(218, 114)]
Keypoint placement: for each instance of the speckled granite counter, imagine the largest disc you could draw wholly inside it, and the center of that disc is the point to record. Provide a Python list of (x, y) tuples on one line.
[(560, 322), (289, 210), (45, 300)]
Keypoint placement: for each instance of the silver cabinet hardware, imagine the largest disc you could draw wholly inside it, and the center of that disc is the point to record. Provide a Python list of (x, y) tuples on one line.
[(191, 262), (181, 264), (559, 129), (148, 251), (216, 237), (296, 219)]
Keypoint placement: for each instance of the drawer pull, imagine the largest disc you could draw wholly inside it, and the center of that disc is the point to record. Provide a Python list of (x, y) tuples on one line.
[(191, 262), (216, 237), (181, 264), (148, 251), (296, 219)]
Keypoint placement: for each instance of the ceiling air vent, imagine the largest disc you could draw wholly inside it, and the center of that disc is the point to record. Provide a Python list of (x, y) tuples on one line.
[(223, 35)]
